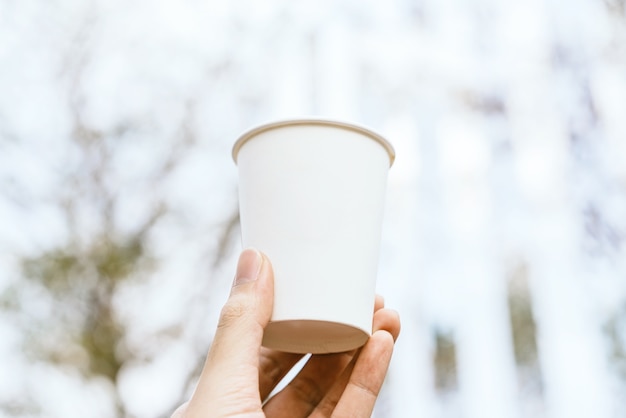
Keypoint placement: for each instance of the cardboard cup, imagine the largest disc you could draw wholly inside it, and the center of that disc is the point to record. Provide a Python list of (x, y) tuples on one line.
[(311, 197)]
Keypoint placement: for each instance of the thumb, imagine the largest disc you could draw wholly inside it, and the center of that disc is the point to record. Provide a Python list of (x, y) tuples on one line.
[(231, 369)]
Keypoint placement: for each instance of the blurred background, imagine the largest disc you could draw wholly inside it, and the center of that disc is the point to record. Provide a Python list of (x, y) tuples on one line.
[(504, 242)]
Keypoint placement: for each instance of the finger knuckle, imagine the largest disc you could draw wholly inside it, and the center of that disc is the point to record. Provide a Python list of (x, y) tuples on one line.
[(232, 312), (307, 389)]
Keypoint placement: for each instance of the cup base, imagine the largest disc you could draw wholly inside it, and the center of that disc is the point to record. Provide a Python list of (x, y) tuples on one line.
[(315, 337)]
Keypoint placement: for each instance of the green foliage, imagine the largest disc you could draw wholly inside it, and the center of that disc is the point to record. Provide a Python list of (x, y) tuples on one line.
[(116, 261), (523, 326), (100, 337), (82, 330), (55, 270), (445, 362), (615, 329)]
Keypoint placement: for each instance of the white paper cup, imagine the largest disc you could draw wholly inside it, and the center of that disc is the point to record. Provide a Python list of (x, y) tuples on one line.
[(311, 197)]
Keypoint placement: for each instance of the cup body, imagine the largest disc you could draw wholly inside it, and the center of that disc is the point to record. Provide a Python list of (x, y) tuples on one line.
[(311, 197)]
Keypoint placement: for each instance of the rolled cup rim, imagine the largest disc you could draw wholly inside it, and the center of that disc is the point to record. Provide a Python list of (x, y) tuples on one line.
[(251, 133)]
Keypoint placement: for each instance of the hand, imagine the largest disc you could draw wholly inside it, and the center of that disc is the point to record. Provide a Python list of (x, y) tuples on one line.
[(239, 374)]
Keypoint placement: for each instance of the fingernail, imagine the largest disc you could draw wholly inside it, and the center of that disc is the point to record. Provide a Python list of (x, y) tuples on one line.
[(248, 266)]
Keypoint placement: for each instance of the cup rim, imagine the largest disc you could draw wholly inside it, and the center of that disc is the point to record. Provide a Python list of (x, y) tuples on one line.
[(251, 133)]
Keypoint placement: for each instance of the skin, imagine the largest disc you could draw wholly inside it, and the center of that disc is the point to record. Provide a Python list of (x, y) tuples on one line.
[(239, 374)]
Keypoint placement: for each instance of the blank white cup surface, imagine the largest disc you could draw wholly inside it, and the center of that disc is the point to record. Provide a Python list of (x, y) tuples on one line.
[(311, 197)]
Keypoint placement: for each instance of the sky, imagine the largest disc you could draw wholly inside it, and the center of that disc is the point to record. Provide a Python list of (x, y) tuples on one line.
[(508, 125)]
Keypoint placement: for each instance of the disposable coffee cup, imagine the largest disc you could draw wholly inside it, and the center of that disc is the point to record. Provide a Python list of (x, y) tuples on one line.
[(311, 197)]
